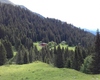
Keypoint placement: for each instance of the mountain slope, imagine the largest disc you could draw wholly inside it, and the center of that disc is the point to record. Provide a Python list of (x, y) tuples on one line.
[(41, 71), (21, 25), (23, 7)]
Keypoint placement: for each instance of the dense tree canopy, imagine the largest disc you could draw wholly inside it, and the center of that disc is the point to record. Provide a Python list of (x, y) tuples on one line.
[(3, 57), (23, 26)]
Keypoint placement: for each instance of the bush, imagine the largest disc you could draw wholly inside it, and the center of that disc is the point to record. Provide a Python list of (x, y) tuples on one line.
[(85, 68)]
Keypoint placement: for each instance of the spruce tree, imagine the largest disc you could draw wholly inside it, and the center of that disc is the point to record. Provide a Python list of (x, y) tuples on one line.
[(43, 54), (2, 54), (26, 57), (19, 58), (65, 57), (68, 63), (36, 52), (84, 54), (31, 55), (59, 58), (55, 55), (77, 58), (20, 55), (95, 65), (8, 48)]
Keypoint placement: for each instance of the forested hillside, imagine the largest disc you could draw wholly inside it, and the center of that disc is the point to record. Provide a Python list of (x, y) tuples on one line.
[(20, 28), (19, 24)]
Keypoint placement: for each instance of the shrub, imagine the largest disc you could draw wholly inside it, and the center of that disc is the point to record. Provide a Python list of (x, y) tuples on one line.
[(85, 68)]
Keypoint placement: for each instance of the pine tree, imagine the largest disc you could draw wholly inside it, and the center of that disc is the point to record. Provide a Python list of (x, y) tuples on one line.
[(84, 53), (77, 59), (36, 52), (31, 55), (47, 55), (65, 57), (20, 55), (68, 63), (95, 65), (8, 48), (59, 58), (26, 57), (18, 43), (2, 54), (19, 58), (43, 54)]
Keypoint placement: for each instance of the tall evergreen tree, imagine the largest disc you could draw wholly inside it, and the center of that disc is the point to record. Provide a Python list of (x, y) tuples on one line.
[(26, 57), (2, 54), (65, 57), (20, 54), (19, 58), (36, 52), (59, 58), (95, 65), (77, 58), (8, 48), (31, 55)]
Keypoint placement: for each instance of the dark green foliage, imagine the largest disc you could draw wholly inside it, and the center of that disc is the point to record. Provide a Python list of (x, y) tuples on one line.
[(18, 43), (8, 48), (95, 65), (2, 31), (68, 63), (43, 54), (46, 56), (84, 53), (19, 59), (22, 55), (31, 55), (59, 58), (86, 65), (36, 53), (65, 56), (28, 43), (2, 54), (26, 57), (77, 58), (24, 27)]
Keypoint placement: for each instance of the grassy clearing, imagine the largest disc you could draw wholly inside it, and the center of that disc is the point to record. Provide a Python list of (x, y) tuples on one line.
[(71, 48), (37, 45), (41, 71), (64, 46)]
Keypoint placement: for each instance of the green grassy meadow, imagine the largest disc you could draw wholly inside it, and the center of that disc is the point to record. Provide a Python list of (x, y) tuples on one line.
[(37, 45), (41, 71)]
